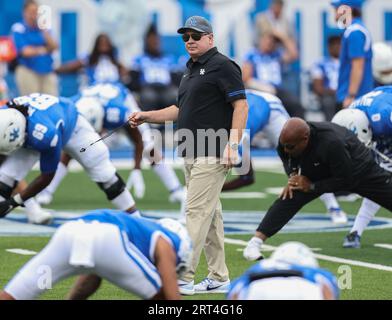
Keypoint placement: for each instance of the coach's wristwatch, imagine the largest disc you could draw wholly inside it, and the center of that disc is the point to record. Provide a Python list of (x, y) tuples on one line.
[(233, 145)]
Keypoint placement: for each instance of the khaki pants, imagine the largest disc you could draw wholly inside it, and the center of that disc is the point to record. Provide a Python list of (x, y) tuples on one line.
[(29, 82), (204, 180)]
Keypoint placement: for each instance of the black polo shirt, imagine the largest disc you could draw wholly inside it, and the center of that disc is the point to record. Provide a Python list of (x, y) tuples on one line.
[(207, 89)]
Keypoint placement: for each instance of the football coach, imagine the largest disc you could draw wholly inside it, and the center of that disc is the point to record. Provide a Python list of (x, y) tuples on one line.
[(211, 114), (319, 158)]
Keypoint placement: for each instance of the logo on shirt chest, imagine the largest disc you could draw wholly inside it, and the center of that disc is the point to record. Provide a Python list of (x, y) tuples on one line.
[(202, 72)]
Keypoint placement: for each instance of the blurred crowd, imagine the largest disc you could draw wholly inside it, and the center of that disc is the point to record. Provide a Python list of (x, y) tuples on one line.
[(154, 76)]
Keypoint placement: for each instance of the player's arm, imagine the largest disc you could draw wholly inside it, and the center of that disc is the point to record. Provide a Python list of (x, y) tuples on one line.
[(37, 185), (49, 160), (165, 261), (156, 116), (136, 138)]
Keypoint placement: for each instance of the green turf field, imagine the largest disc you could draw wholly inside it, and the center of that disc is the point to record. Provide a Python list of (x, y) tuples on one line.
[(365, 282)]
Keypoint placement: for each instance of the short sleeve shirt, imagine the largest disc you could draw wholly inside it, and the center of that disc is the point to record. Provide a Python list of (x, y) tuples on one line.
[(207, 89)]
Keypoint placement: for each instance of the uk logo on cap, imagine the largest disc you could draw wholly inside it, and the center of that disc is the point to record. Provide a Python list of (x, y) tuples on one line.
[(192, 21)]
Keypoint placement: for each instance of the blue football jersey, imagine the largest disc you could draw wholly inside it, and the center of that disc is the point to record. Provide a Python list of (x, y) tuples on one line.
[(141, 232), (155, 69), (317, 276), (50, 124), (260, 106), (377, 105), (116, 99)]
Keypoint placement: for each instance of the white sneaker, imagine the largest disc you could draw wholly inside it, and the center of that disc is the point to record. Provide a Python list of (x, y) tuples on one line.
[(209, 285), (252, 250), (44, 197), (39, 217), (338, 216), (186, 288), (177, 196)]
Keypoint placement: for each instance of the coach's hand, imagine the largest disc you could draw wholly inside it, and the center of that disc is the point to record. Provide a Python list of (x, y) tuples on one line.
[(287, 193), (137, 118), (300, 183), (230, 157), (8, 205)]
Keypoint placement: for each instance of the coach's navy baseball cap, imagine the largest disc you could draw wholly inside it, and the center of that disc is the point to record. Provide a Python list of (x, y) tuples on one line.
[(197, 23), (351, 3)]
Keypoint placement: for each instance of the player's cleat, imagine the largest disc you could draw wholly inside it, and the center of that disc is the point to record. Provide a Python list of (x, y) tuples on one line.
[(338, 216), (39, 217), (177, 195), (186, 288), (44, 197), (352, 240), (209, 285), (252, 250)]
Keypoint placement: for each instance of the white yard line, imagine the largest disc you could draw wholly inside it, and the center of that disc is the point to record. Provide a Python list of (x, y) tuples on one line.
[(242, 195), (23, 252), (323, 257), (383, 245)]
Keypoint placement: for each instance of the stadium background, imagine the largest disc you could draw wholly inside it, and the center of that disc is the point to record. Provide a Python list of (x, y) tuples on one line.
[(76, 23)]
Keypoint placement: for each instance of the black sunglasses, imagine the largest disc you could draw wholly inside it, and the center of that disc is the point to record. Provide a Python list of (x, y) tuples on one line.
[(194, 36)]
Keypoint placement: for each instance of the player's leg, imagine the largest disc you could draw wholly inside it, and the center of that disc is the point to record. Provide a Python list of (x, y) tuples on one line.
[(34, 212), (15, 168), (45, 196), (135, 179), (164, 172), (277, 216), (45, 269), (377, 187), (96, 162), (366, 213), (338, 216)]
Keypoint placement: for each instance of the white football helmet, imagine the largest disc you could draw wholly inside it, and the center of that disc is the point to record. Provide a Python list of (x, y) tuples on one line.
[(295, 253), (382, 63), (185, 250), (12, 130), (356, 121), (92, 109)]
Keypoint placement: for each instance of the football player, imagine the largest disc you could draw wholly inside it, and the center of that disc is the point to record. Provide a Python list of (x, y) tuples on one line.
[(369, 117), (107, 106), (37, 128), (136, 254), (291, 273)]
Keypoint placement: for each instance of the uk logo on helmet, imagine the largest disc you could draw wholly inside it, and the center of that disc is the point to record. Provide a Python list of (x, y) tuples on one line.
[(14, 134)]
